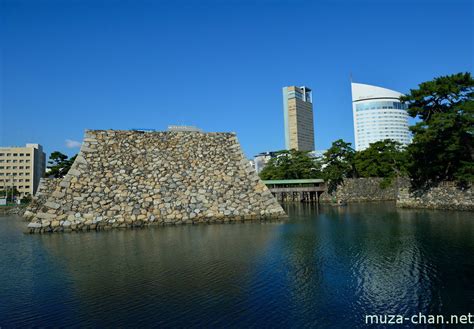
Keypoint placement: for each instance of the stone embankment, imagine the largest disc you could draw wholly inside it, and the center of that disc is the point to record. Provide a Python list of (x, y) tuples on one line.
[(444, 196), (364, 189), (46, 188), (12, 210), (122, 179)]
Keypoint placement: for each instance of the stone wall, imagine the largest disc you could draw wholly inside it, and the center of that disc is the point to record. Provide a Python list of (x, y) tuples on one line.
[(45, 188), (445, 196), (364, 189), (129, 178)]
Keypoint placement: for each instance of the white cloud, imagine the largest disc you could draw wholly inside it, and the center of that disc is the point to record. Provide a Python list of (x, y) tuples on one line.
[(72, 144)]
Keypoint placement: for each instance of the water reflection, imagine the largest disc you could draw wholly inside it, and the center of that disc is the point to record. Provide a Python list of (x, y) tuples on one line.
[(161, 269), (325, 267)]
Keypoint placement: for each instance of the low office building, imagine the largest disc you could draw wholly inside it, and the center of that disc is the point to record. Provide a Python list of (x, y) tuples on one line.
[(261, 160), (22, 168), (318, 154)]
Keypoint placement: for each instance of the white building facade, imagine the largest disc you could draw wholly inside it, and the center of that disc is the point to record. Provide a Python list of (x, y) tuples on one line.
[(378, 115), (261, 160)]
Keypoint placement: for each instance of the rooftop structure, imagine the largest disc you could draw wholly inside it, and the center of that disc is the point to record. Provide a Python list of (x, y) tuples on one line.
[(184, 128)]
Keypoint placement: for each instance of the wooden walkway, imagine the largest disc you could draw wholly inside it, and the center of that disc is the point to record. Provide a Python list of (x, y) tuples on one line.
[(304, 190)]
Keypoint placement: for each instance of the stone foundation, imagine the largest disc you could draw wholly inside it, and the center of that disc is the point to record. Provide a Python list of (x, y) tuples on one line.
[(444, 196), (364, 189), (123, 179), (45, 188)]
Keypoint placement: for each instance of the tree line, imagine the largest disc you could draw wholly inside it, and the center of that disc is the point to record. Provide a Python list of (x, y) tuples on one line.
[(442, 148)]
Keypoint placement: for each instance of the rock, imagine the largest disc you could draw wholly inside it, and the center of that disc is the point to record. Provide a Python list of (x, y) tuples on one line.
[(34, 225), (87, 149), (64, 184), (52, 205), (28, 214), (58, 194), (74, 172), (45, 215), (80, 160)]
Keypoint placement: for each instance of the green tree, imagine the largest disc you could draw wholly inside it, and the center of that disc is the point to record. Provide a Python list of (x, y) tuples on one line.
[(26, 199), (385, 159), (442, 147), (291, 164), (59, 164), (338, 163), (8, 193)]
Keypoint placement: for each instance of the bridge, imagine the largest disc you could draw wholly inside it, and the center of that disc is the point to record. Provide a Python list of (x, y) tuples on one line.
[(304, 190)]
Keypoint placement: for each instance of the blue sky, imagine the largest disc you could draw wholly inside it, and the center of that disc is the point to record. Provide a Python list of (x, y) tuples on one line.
[(220, 65)]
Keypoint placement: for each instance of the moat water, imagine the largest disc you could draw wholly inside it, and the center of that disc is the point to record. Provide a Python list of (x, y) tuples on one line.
[(323, 268)]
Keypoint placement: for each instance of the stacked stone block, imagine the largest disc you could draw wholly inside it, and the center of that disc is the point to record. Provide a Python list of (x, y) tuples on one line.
[(131, 178), (447, 195)]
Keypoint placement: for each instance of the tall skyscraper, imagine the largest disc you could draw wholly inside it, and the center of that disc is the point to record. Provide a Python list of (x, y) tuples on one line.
[(378, 114), (22, 168), (298, 115)]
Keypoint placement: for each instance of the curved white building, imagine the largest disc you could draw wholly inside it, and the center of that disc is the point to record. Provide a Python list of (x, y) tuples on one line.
[(378, 115)]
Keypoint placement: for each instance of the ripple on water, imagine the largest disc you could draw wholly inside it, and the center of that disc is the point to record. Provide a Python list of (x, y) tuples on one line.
[(323, 268)]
